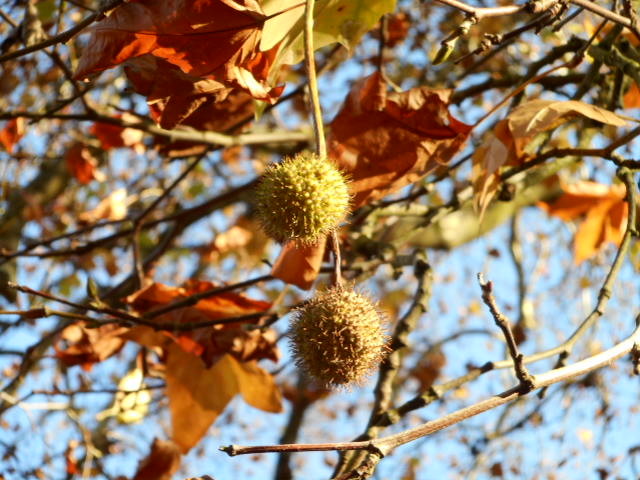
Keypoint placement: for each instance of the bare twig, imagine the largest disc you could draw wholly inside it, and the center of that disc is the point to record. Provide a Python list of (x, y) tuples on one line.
[(385, 445), (526, 380)]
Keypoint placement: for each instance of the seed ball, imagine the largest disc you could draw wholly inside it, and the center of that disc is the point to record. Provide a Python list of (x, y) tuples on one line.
[(337, 337), (303, 198)]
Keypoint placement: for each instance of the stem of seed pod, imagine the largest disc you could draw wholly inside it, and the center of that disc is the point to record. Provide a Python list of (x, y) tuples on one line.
[(337, 268), (310, 63)]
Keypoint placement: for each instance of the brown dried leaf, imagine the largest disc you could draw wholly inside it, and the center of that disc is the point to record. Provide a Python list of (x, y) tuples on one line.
[(82, 164), (506, 144), (161, 463), (386, 141), (185, 51), (209, 343), (115, 136), (87, 346)]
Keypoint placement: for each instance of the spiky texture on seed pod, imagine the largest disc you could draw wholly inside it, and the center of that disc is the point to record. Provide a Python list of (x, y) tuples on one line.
[(338, 337), (302, 198)]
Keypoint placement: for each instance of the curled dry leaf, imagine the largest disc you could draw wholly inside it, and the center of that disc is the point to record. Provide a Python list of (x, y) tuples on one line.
[(385, 141), (605, 214), (83, 346), (506, 143), (299, 265), (183, 53), (209, 343)]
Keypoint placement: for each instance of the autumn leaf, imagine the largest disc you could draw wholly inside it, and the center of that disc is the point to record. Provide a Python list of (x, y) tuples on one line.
[(82, 164), (631, 98), (342, 21), (299, 265), (161, 463), (386, 141), (115, 136), (79, 345), (197, 394), (211, 46), (12, 133), (605, 213), (113, 207), (506, 143), (209, 343), (210, 115)]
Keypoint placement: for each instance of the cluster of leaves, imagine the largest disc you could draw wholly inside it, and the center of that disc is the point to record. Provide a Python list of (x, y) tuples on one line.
[(131, 154)]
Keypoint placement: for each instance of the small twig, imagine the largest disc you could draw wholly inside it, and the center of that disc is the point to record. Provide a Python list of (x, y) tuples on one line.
[(106, 310), (526, 380), (337, 259)]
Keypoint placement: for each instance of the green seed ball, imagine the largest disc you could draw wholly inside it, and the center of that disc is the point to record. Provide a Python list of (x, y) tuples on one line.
[(338, 338), (303, 198)]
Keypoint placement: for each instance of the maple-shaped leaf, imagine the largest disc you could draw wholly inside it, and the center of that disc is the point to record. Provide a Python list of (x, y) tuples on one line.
[(385, 141), (83, 346), (198, 394), (199, 49), (209, 343), (507, 142), (198, 36), (12, 133), (605, 213)]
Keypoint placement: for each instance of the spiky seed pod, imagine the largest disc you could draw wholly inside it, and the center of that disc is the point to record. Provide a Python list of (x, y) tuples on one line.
[(302, 198), (338, 337)]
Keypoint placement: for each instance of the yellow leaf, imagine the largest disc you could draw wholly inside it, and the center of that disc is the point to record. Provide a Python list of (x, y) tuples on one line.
[(197, 395), (256, 385)]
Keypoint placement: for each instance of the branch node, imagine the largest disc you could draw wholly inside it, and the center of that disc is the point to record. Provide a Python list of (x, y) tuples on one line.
[(229, 450)]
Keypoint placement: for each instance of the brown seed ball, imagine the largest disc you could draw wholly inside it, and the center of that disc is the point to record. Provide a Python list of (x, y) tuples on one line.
[(338, 337), (303, 198)]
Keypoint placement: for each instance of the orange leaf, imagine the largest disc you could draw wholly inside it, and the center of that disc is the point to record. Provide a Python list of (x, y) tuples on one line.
[(197, 395), (161, 463), (605, 210), (115, 136), (631, 99), (81, 164), (207, 342), (12, 133), (212, 45), (299, 264), (87, 346), (386, 141)]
